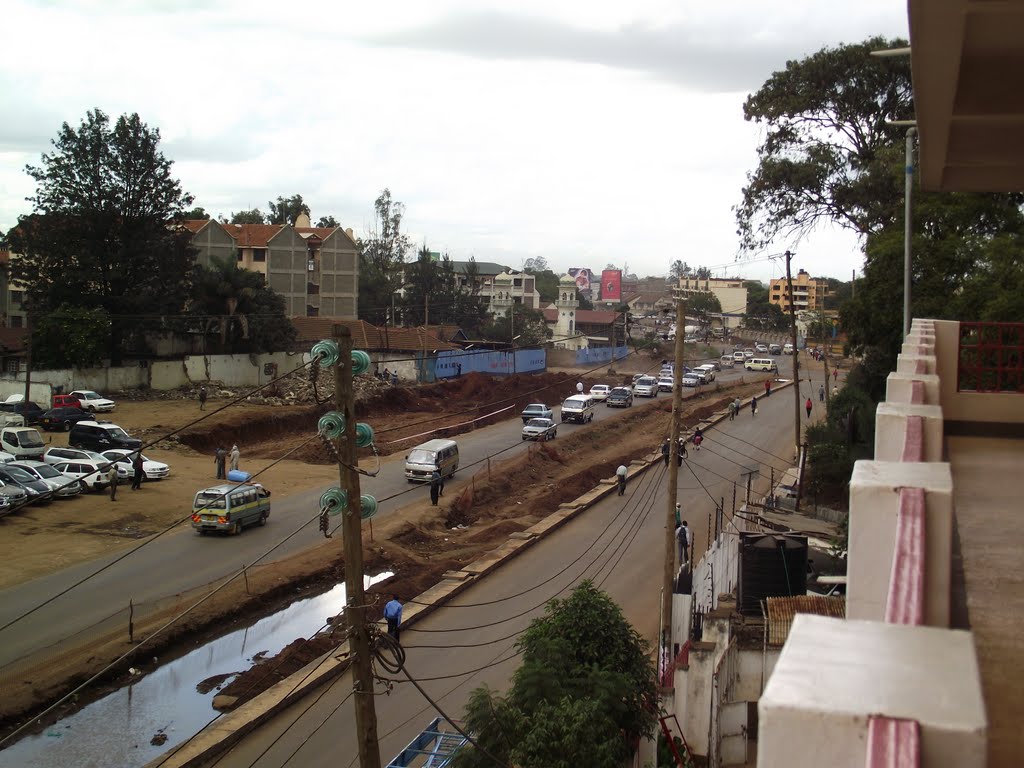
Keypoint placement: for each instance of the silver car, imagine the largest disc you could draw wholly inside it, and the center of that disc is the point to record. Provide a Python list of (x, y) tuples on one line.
[(62, 486), (540, 429)]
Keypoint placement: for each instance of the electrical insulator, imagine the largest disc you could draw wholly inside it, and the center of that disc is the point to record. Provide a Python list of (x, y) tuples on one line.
[(367, 506), (326, 352), (360, 362), (364, 435), (331, 424), (334, 500)]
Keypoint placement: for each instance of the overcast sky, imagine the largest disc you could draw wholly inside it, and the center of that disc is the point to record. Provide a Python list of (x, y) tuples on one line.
[(585, 132)]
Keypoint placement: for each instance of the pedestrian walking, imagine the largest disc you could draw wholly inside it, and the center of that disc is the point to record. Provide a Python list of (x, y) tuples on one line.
[(698, 438), (835, 375), (682, 451), (112, 481), (753, 406), (681, 544), (435, 487), (732, 411), (202, 398), (835, 391), (808, 405), (219, 458), (821, 393), (387, 376), (666, 450), (233, 457), (393, 616), (620, 474), (767, 387), (739, 406), (394, 378), (139, 471)]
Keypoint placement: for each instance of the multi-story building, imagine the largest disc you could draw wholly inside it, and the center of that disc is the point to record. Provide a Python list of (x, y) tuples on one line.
[(509, 288), (808, 292), (730, 292), (315, 269), (12, 297)]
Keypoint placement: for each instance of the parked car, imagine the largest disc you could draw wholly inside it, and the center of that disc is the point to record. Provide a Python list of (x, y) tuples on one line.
[(536, 411), (56, 455), (665, 384), (93, 402), (691, 380), (717, 365), (62, 418), (91, 473), (600, 391), (65, 401), (620, 397), (101, 436), (29, 411), (774, 349), (151, 470), (645, 386), (22, 442), (36, 489), (63, 487), (15, 496), (540, 429)]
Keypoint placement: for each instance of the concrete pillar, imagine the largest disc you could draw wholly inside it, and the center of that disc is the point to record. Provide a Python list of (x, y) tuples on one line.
[(874, 505), (891, 429), (700, 685), (915, 363), (898, 387), (833, 675)]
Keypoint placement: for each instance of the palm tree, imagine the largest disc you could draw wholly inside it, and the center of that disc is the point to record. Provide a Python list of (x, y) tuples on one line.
[(220, 290)]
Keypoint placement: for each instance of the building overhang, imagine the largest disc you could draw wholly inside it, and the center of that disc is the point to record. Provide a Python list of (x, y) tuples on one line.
[(967, 60)]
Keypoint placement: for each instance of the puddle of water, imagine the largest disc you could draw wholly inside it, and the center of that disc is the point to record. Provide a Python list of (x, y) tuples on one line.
[(115, 731)]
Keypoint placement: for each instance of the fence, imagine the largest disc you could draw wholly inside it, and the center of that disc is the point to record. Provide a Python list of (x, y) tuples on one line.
[(600, 354), (450, 363)]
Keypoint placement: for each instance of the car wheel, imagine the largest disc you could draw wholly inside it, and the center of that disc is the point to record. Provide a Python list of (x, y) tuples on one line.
[(67, 426), (263, 520), (236, 528), (524, 437), (201, 531)]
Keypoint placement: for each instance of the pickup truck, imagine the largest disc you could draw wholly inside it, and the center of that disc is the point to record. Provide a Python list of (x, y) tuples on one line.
[(536, 411)]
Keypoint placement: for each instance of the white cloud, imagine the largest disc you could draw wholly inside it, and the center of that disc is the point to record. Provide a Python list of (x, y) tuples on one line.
[(586, 132)]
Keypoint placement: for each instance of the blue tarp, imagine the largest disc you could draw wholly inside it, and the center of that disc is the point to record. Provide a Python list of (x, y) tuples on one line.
[(600, 354), (486, 361)]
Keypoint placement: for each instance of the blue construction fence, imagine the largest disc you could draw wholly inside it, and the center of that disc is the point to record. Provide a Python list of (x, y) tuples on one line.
[(450, 363), (600, 354)]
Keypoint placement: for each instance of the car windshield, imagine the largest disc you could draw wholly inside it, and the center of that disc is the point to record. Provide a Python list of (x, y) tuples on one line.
[(209, 500), (30, 439), (539, 423), (645, 381), (45, 470), (535, 407), (20, 475), (418, 456)]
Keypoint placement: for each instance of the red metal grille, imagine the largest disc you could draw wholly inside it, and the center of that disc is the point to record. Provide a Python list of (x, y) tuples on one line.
[(991, 357)]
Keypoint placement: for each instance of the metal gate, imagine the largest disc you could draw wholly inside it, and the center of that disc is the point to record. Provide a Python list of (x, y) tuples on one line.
[(728, 737)]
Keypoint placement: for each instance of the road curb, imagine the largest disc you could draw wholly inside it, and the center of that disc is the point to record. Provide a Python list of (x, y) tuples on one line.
[(230, 728)]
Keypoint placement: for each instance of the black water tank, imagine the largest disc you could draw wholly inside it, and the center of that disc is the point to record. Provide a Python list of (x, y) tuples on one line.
[(771, 565)]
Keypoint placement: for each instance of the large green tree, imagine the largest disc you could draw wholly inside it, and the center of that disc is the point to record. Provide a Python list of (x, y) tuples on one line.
[(76, 337), (522, 322), (286, 210), (382, 260), (98, 237), (236, 305), (828, 144), (584, 695), (254, 216)]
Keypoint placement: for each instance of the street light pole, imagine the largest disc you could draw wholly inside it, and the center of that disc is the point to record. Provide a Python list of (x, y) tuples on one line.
[(908, 190)]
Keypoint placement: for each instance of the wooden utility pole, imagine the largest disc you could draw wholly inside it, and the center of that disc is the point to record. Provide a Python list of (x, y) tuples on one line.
[(824, 357), (673, 478), (796, 353), (355, 599)]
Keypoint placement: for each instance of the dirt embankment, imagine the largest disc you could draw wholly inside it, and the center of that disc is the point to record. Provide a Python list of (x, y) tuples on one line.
[(418, 546)]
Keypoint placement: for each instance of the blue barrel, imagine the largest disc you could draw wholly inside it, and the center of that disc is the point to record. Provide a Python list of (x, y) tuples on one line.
[(238, 475)]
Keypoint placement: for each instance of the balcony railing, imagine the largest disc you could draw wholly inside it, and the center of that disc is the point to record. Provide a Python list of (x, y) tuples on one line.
[(991, 358)]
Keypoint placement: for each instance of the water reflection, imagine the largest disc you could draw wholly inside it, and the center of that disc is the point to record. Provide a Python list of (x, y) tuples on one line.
[(169, 705)]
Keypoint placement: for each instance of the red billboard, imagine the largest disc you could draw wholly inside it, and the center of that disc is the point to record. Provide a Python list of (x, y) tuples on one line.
[(611, 285)]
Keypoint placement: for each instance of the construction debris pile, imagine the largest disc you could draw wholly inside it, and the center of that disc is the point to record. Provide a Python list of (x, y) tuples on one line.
[(299, 389)]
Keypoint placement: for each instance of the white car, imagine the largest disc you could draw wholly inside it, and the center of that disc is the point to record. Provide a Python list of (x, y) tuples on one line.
[(645, 386), (92, 402), (707, 371), (748, 353), (92, 474), (600, 391), (665, 384), (761, 348), (691, 380), (153, 470), (540, 429)]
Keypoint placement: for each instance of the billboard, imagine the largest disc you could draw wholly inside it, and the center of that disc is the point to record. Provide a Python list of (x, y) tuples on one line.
[(611, 285), (584, 279)]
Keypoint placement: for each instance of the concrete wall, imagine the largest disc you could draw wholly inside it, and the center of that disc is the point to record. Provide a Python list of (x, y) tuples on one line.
[(755, 667)]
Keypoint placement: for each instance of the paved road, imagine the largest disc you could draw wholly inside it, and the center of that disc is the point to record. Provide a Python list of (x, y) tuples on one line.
[(180, 561), (619, 543)]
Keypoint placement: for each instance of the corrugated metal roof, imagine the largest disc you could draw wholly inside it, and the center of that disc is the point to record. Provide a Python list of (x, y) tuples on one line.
[(781, 611)]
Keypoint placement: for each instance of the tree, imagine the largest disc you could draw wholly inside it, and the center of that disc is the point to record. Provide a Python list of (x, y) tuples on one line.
[(584, 302), (545, 282), (678, 270), (286, 210), (828, 146), (70, 336), (703, 273), (535, 265), (701, 304), (584, 695), (327, 221), (528, 324), (98, 237), (196, 214), (255, 216), (248, 316), (382, 260)]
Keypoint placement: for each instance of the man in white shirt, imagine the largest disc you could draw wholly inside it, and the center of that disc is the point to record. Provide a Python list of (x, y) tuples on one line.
[(620, 475)]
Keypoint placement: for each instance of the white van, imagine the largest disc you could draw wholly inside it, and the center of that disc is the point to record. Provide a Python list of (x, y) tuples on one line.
[(578, 408), (22, 442), (761, 364), (726, 361), (423, 460)]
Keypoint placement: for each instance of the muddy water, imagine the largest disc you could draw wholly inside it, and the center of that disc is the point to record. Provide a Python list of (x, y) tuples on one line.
[(173, 701)]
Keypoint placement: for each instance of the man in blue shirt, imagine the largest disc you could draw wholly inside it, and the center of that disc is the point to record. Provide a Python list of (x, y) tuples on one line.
[(393, 614)]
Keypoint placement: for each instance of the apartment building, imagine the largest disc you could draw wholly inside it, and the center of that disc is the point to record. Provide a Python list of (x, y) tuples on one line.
[(808, 292), (12, 297), (730, 292)]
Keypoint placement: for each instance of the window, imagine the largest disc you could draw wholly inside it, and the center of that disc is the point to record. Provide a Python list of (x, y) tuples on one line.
[(17, 321), (259, 254), (239, 255)]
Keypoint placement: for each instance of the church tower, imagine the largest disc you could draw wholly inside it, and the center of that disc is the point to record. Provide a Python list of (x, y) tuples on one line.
[(566, 304)]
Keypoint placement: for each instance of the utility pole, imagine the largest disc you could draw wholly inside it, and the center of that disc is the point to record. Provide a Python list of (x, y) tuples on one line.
[(355, 599), (908, 229), (796, 352), (673, 478), (426, 308), (824, 356)]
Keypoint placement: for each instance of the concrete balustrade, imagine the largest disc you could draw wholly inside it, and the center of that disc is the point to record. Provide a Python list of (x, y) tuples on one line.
[(891, 429), (874, 511), (833, 676), (899, 387)]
